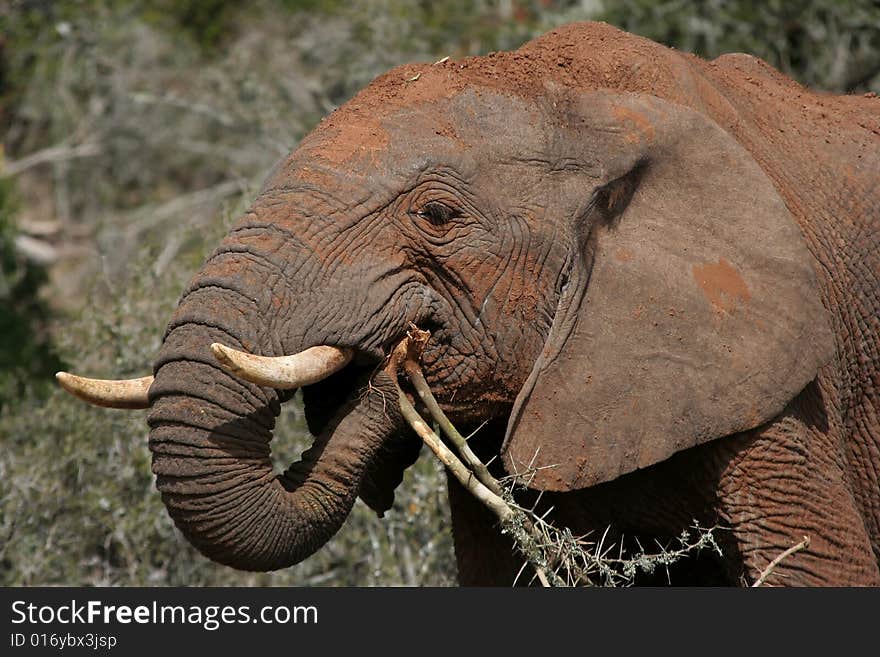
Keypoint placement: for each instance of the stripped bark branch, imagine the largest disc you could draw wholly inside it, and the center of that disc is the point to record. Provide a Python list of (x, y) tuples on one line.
[(512, 519), (460, 442), (772, 565), (408, 349)]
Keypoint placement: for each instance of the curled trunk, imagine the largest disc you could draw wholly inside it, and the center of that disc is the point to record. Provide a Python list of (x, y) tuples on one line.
[(216, 478), (210, 434)]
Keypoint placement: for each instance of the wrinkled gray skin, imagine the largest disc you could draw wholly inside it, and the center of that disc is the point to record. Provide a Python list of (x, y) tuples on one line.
[(513, 227)]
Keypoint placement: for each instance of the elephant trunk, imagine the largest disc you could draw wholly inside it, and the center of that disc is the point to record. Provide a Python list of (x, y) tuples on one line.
[(210, 434)]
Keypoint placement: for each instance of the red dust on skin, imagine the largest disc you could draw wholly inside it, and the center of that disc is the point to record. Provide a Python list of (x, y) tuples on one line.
[(351, 144), (722, 285), (313, 176), (642, 130), (623, 255)]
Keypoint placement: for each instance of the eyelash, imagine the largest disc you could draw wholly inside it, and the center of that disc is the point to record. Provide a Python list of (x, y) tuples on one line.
[(437, 214)]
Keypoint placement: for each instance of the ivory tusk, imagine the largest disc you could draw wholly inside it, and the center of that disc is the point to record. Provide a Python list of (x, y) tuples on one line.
[(284, 372), (125, 393)]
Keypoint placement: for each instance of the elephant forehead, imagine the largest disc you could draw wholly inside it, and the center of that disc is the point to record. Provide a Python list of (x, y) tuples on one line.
[(344, 144), (358, 134), (365, 136)]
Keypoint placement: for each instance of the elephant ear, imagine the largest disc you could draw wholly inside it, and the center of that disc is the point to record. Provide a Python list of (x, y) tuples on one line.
[(693, 314)]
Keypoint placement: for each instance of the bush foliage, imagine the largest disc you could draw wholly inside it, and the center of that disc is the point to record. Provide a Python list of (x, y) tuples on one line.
[(134, 131), (27, 355)]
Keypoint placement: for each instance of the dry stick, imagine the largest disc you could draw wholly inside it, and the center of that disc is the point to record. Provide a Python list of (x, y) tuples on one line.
[(494, 502), (516, 522), (410, 349), (460, 442), (772, 565)]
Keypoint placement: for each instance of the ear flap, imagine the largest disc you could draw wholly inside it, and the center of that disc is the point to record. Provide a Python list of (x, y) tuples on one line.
[(694, 315)]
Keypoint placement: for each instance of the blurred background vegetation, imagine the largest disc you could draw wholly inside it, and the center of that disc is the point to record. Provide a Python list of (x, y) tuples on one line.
[(134, 131)]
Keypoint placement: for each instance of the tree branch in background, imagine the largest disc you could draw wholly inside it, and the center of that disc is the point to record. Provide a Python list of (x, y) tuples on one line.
[(51, 155)]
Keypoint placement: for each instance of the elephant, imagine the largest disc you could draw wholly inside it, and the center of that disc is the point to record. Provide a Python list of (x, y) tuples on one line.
[(650, 278)]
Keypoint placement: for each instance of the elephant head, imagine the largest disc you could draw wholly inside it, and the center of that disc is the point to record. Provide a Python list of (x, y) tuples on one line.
[(610, 272)]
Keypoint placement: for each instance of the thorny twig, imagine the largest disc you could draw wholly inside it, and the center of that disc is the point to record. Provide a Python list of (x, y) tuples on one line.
[(558, 557)]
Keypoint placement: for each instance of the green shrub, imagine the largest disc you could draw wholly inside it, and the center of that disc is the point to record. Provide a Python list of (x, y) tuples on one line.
[(27, 355)]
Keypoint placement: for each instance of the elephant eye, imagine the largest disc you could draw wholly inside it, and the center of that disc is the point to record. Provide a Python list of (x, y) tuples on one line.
[(613, 198), (437, 214)]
